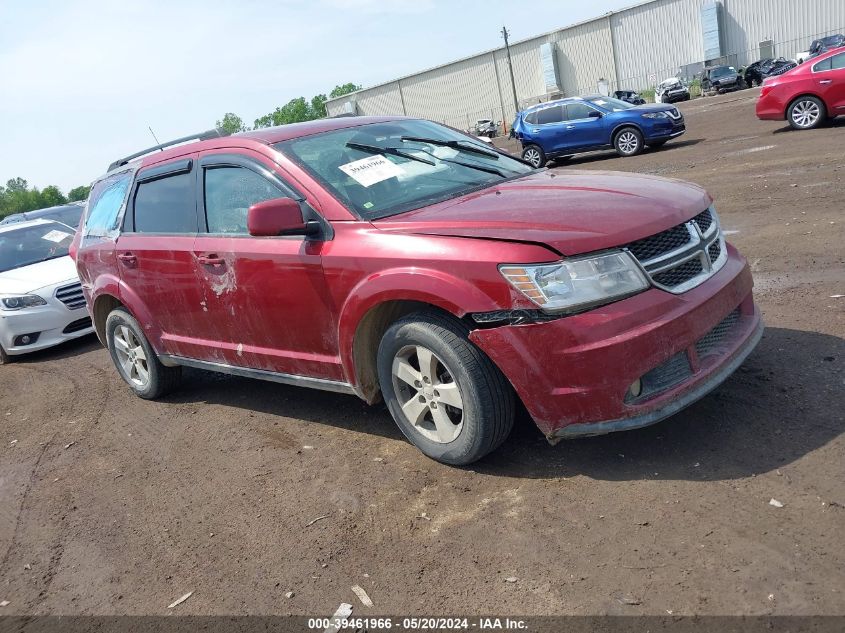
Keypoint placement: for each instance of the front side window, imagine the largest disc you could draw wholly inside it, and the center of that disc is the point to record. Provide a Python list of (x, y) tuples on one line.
[(553, 114), (577, 111), (166, 205), (29, 245), (105, 202), (229, 193), (382, 169)]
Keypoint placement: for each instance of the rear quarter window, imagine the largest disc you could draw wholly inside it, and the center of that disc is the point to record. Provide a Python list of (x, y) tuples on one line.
[(106, 202)]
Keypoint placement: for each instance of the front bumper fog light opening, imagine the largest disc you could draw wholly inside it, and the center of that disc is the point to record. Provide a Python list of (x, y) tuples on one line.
[(26, 339), (636, 389)]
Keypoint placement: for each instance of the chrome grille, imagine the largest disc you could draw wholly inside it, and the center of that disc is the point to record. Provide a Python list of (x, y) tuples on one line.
[(71, 296), (710, 342), (684, 256), (674, 113)]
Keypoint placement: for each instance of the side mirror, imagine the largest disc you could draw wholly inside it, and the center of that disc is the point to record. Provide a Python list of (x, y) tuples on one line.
[(594, 114), (279, 216)]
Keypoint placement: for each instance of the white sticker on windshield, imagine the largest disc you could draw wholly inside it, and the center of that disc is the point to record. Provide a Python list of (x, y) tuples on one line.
[(369, 171), (600, 102), (55, 236)]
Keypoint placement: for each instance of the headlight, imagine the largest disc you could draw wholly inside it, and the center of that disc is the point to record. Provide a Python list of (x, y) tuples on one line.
[(655, 115), (578, 283), (21, 301)]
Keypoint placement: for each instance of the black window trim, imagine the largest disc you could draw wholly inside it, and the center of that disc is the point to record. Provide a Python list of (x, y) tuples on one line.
[(223, 159), (151, 174)]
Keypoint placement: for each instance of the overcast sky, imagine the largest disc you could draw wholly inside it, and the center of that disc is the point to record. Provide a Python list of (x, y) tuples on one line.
[(81, 80)]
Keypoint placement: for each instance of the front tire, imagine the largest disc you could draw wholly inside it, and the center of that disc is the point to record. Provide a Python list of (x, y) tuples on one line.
[(806, 113), (5, 359), (628, 142), (534, 155), (135, 359), (446, 396)]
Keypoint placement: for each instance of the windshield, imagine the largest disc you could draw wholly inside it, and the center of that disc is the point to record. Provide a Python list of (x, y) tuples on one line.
[(32, 244), (383, 169), (721, 71), (609, 103)]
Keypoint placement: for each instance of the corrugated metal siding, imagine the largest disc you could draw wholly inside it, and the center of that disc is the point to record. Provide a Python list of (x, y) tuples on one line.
[(585, 55), (792, 24), (655, 38), (457, 94)]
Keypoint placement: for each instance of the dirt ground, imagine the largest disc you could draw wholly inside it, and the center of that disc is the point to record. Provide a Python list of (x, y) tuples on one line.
[(242, 491)]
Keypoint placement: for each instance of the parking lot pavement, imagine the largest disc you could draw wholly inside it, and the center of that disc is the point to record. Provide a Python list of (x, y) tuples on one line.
[(112, 504)]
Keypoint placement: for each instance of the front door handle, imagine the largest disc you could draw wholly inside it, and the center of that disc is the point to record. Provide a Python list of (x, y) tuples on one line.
[(570, 127), (826, 81), (211, 260), (129, 259)]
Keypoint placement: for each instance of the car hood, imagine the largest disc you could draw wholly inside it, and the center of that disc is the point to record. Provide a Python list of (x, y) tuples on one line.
[(569, 211), (35, 276)]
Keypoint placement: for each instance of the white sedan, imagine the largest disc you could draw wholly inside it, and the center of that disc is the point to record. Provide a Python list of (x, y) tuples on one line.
[(41, 301)]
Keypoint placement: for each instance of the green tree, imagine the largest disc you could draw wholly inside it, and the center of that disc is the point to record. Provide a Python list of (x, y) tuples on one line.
[(318, 106), (78, 193), (232, 123), (345, 89), (51, 197)]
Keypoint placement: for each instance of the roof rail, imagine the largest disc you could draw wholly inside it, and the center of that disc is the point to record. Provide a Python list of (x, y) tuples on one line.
[(201, 136)]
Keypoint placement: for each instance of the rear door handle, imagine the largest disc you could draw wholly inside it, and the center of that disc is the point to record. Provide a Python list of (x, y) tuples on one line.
[(211, 260), (129, 259), (826, 81), (570, 127)]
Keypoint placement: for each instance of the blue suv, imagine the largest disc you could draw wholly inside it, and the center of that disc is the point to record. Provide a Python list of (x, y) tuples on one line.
[(558, 129)]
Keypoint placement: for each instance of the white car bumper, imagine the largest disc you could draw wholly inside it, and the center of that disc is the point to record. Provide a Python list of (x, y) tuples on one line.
[(46, 325)]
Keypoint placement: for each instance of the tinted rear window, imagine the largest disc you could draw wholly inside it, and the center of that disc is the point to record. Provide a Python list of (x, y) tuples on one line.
[(166, 205)]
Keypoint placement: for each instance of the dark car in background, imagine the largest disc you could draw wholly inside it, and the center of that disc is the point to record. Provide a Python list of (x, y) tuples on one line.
[(629, 96), (558, 129), (757, 72), (68, 214), (721, 79)]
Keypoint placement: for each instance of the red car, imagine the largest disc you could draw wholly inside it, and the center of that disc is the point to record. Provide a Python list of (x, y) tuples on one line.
[(399, 259), (808, 95)]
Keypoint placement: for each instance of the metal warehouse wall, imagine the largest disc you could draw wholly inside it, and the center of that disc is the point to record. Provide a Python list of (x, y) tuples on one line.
[(632, 48)]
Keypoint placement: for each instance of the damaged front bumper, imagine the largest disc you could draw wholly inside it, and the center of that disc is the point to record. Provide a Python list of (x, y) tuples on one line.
[(576, 375)]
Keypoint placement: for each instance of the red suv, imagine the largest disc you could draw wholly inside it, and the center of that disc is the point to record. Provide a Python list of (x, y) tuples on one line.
[(808, 95), (400, 259)]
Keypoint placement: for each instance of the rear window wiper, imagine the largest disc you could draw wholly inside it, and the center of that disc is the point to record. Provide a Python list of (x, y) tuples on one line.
[(395, 151), (461, 146)]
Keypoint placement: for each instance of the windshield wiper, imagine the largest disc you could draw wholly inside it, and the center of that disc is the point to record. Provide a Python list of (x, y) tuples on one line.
[(461, 146), (484, 168), (395, 151)]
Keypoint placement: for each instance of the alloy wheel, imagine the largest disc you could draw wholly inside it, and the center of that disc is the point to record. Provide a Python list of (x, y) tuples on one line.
[(131, 356), (533, 157), (428, 394), (628, 142), (806, 113)]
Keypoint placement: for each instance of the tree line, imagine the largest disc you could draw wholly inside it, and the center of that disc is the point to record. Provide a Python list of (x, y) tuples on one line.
[(17, 196), (294, 111)]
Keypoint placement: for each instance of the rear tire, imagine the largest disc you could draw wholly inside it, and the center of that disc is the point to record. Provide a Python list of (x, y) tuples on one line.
[(806, 113), (446, 396), (136, 360), (534, 155), (628, 142)]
